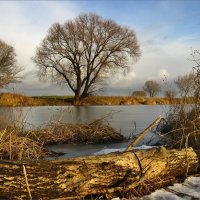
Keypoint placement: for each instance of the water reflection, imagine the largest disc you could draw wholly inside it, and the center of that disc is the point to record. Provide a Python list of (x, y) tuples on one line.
[(124, 120)]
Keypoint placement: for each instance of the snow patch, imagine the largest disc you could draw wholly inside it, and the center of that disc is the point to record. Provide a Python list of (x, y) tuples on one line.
[(190, 187), (161, 195), (106, 151)]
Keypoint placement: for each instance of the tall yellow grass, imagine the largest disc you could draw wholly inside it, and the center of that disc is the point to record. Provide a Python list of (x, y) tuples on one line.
[(18, 143), (126, 100), (15, 99)]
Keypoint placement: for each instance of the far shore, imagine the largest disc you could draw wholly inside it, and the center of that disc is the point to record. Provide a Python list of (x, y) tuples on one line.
[(15, 99)]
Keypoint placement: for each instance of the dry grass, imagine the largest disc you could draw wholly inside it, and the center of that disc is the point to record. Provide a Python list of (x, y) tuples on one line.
[(147, 187), (16, 147), (181, 128), (15, 99), (58, 132), (16, 143), (126, 100)]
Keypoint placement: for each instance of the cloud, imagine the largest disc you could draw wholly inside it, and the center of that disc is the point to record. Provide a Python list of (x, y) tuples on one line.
[(121, 80), (24, 24), (163, 73), (24, 29), (170, 60), (25, 32)]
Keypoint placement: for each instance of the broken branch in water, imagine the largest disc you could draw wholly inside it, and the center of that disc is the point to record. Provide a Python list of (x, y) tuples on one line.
[(142, 134)]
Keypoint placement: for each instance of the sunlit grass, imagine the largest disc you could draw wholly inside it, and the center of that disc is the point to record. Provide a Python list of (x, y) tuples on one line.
[(15, 99), (18, 142), (127, 100)]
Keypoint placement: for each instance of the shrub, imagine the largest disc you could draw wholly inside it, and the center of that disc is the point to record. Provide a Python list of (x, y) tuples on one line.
[(139, 93), (181, 127)]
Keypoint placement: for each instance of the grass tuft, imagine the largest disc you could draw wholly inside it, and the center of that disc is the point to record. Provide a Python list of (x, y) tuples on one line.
[(93, 133), (181, 128), (19, 144)]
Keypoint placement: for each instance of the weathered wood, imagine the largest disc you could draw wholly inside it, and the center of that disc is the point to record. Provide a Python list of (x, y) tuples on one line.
[(143, 133), (104, 174)]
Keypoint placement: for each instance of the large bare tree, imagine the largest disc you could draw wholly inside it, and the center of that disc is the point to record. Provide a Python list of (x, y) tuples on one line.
[(186, 84), (84, 51), (152, 88), (8, 65)]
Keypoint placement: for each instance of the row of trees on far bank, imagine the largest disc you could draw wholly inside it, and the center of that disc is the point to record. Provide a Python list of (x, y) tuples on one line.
[(185, 86)]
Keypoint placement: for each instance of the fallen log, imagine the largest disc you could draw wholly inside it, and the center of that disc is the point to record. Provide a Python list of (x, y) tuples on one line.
[(106, 175)]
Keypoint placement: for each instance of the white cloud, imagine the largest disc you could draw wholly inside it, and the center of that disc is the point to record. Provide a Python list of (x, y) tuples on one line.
[(24, 24), (25, 32), (163, 73), (160, 61)]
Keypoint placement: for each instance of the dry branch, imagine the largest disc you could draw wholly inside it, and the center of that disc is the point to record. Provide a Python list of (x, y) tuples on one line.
[(143, 133), (27, 185)]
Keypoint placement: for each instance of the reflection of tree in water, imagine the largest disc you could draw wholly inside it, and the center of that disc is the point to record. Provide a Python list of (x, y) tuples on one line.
[(6, 117)]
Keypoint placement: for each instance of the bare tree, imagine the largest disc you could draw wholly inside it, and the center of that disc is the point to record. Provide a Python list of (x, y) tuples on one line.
[(196, 71), (8, 65), (152, 88), (170, 94), (83, 52), (139, 93), (186, 85)]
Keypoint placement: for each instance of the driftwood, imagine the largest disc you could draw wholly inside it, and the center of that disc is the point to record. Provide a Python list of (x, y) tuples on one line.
[(143, 133), (107, 175)]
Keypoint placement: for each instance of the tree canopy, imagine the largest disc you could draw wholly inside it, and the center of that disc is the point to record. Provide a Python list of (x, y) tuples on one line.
[(152, 88), (186, 85), (83, 52), (8, 64), (170, 93)]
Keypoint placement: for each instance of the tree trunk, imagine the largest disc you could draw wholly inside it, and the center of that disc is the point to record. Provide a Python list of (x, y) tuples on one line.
[(81, 177), (84, 94), (77, 98)]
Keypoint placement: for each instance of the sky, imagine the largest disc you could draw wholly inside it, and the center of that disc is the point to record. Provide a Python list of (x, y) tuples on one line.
[(166, 31)]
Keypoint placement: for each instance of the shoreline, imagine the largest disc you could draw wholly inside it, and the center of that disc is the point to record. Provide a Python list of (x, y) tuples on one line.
[(15, 99)]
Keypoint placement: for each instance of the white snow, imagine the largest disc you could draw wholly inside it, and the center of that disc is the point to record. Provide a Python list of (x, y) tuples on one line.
[(189, 190), (190, 187), (106, 151), (161, 195)]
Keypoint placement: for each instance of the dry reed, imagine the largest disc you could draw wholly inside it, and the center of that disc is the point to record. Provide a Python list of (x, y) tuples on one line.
[(15, 99), (181, 128), (17, 143), (16, 147), (58, 132)]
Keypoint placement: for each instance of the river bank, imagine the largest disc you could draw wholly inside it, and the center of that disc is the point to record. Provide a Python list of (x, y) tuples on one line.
[(141, 115), (15, 99)]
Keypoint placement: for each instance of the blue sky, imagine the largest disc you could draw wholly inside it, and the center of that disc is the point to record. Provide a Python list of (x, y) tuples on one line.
[(166, 31)]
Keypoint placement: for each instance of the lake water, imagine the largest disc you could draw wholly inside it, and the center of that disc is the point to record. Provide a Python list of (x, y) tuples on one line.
[(129, 120)]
